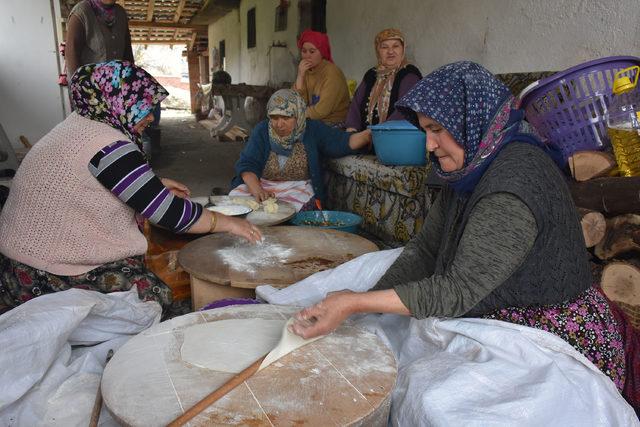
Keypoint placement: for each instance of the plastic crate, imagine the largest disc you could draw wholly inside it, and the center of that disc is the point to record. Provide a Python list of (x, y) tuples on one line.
[(569, 108)]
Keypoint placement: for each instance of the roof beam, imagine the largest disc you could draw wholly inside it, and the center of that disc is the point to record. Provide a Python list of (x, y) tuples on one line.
[(181, 4), (164, 24), (152, 4), (167, 42)]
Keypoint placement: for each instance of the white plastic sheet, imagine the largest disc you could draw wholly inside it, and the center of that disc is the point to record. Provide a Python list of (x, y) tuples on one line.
[(46, 378), (472, 372)]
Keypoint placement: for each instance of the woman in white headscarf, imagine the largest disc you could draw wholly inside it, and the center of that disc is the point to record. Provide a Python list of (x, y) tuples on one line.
[(288, 147)]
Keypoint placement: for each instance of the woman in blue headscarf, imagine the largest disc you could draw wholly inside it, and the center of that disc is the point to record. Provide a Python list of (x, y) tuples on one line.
[(502, 240)]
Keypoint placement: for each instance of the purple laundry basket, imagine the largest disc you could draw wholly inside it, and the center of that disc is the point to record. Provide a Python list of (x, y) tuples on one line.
[(569, 108)]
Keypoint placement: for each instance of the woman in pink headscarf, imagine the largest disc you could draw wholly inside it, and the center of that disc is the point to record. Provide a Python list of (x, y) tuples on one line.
[(320, 82)]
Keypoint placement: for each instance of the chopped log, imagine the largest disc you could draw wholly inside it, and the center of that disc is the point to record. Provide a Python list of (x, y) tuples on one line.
[(611, 196), (621, 283), (594, 226), (622, 236), (587, 165)]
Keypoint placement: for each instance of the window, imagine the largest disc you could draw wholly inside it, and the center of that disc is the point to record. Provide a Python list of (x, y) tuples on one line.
[(222, 52), (251, 28), (281, 18)]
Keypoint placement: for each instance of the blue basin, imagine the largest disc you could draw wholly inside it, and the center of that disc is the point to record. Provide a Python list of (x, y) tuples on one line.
[(399, 143), (336, 220)]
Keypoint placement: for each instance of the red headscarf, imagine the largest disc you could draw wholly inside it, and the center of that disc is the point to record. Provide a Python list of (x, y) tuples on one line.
[(319, 40)]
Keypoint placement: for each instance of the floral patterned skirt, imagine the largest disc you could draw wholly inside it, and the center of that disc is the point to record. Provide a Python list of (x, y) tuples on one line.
[(586, 323), (19, 282)]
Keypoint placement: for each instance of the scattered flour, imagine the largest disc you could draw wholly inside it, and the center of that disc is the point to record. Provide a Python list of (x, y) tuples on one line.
[(244, 256)]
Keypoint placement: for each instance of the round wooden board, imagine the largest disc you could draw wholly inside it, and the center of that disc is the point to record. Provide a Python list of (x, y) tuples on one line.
[(345, 378), (216, 258), (259, 217)]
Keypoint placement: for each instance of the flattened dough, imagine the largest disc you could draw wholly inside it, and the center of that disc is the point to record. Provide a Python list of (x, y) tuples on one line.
[(288, 342), (230, 345), (234, 344)]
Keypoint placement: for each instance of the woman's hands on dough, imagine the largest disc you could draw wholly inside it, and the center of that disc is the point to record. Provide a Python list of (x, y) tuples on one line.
[(328, 314), (324, 317), (260, 194)]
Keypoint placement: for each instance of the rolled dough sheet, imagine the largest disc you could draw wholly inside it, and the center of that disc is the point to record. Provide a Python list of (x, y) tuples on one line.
[(234, 344), (230, 345), (288, 342)]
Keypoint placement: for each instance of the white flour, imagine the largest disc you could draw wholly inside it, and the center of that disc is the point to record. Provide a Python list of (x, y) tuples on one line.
[(244, 256)]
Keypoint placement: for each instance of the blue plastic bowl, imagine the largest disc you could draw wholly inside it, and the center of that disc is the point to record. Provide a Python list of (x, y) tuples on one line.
[(399, 143), (337, 220)]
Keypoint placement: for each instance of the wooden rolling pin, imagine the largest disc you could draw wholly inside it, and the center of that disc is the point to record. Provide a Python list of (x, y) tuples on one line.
[(215, 395)]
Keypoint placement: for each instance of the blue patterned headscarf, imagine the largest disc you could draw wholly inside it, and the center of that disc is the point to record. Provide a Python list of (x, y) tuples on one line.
[(478, 111), (288, 103)]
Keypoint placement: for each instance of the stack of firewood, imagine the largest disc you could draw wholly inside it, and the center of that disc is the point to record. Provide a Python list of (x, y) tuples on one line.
[(609, 207)]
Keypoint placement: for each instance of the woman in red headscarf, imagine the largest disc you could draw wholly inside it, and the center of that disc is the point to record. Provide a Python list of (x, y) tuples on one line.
[(320, 82)]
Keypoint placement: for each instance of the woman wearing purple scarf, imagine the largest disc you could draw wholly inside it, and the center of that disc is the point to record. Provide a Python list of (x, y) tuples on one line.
[(502, 240)]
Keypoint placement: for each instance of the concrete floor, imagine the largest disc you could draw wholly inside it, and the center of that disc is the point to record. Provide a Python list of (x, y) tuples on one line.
[(188, 154)]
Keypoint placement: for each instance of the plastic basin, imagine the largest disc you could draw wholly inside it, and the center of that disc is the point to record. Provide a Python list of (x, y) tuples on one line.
[(336, 220), (399, 143)]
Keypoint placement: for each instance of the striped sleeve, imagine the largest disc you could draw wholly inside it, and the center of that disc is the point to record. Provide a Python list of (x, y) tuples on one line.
[(122, 168)]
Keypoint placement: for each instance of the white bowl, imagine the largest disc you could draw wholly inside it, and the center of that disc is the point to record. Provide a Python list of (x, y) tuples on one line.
[(231, 210)]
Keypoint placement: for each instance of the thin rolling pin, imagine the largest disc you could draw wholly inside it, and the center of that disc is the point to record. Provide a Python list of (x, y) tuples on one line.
[(217, 394)]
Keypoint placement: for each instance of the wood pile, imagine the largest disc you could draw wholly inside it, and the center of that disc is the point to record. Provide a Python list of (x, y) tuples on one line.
[(609, 211)]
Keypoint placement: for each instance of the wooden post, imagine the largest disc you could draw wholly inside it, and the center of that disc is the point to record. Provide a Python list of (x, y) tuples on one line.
[(194, 78), (204, 69)]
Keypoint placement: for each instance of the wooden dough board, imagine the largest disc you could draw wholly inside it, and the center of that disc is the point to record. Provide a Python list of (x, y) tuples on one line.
[(314, 249), (345, 378), (286, 211)]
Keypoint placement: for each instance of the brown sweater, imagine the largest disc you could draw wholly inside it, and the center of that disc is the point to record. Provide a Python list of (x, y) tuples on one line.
[(326, 93)]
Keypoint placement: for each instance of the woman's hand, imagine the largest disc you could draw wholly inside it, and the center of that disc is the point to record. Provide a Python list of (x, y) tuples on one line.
[(243, 228), (260, 194), (176, 188), (304, 66), (351, 129), (324, 317), (360, 139)]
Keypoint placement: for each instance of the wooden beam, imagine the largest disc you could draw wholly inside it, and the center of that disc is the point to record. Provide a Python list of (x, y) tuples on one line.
[(176, 17), (167, 42), (152, 3), (165, 24), (192, 42), (181, 4)]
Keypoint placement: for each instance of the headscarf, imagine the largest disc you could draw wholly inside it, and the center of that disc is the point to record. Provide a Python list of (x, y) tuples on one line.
[(117, 93), (381, 91), (106, 14), (288, 103), (319, 40), (478, 111)]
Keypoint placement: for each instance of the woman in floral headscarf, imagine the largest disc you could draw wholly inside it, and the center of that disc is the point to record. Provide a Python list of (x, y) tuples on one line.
[(382, 85), (70, 220), (320, 82), (502, 240), (284, 154)]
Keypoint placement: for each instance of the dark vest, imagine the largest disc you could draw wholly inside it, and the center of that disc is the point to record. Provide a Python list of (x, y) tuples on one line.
[(369, 80), (102, 43), (557, 268)]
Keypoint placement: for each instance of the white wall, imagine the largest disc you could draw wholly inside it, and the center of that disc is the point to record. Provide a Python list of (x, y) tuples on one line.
[(30, 98), (228, 29), (262, 64), (503, 35)]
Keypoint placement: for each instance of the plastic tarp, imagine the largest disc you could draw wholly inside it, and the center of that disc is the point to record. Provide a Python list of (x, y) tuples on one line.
[(472, 372), (54, 349)]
